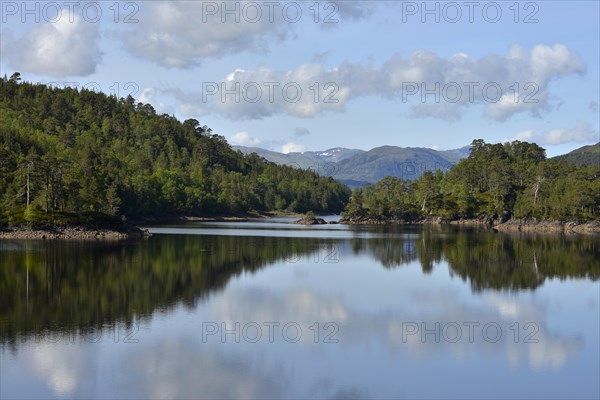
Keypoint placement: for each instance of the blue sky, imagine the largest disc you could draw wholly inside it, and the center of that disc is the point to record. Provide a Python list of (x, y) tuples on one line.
[(356, 74)]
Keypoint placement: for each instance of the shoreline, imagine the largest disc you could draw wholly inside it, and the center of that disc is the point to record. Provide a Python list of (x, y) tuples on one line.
[(131, 230), (517, 225), (512, 225), (214, 218), (128, 231), (73, 232)]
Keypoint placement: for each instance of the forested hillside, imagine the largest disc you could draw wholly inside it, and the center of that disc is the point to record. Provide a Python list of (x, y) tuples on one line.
[(586, 155), (68, 154), (496, 181)]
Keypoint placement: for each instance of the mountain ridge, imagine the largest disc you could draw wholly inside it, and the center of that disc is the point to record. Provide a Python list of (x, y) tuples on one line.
[(586, 155), (358, 167)]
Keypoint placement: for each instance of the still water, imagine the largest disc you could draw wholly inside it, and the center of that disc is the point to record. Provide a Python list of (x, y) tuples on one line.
[(273, 310)]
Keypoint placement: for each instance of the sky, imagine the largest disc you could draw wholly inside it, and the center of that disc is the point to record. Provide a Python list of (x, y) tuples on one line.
[(295, 76)]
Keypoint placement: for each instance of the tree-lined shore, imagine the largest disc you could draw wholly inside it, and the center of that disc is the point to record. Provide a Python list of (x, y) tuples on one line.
[(80, 164), (512, 186), (77, 157)]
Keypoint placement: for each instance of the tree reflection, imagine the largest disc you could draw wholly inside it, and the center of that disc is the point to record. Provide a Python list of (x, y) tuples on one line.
[(491, 260), (77, 286)]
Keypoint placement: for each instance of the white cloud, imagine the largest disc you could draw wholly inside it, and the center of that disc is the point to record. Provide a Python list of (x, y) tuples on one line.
[(581, 133), (430, 85), (190, 104), (57, 49), (578, 134), (293, 148), (525, 136), (303, 92), (548, 61), (181, 34), (243, 139), (147, 95)]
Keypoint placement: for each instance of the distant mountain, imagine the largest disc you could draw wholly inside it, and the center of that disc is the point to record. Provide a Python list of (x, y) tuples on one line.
[(358, 167), (309, 159), (586, 155), (454, 156), (377, 163)]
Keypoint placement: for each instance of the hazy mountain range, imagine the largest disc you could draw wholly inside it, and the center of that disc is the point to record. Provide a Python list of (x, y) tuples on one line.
[(358, 167)]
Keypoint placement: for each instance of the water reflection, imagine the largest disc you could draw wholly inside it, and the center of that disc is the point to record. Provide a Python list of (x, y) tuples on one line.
[(63, 285), (490, 260), (78, 285), (124, 320)]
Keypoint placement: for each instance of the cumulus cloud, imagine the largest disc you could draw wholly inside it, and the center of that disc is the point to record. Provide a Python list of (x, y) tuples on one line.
[(581, 133), (293, 148), (147, 95), (57, 49), (429, 85), (182, 34), (243, 139), (190, 103), (303, 92)]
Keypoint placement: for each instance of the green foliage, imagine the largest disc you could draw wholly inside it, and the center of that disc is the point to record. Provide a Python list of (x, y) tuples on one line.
[(498, 181), (390, 198), (586, 155), (88, 153)]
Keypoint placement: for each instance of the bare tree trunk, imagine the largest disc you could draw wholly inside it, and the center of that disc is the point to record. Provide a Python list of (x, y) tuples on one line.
[(536, 189), (28, 168)]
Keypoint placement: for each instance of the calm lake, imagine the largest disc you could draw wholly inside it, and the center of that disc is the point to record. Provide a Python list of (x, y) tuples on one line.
[(274, 310)]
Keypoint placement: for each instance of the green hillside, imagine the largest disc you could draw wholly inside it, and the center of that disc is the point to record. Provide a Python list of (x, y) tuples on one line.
[(586, 155), (68, 154), (496, 182)]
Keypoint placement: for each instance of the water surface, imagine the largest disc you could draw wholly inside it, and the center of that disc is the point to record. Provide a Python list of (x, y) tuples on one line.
[(273, 310)]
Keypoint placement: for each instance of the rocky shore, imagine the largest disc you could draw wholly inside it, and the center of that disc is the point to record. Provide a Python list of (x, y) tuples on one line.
[(310, 221), (73, 233), (517, 225), (513, 225), (419, 221)]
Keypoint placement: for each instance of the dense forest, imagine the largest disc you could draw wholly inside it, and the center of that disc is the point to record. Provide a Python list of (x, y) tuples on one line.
[(69, 155), (496, 182), (586, 155)]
